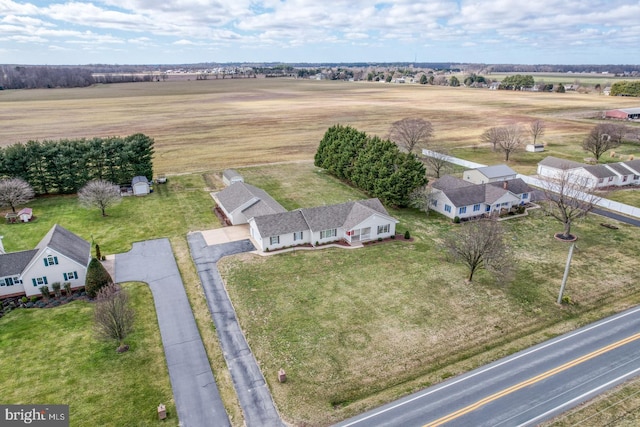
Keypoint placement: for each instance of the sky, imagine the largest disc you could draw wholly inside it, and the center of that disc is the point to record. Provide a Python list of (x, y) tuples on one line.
[(316, 31)]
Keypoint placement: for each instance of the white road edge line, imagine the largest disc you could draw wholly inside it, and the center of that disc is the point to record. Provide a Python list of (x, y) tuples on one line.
[(510, 359)]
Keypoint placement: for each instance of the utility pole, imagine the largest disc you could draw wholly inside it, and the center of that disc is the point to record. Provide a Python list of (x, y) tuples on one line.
[(566, 273)]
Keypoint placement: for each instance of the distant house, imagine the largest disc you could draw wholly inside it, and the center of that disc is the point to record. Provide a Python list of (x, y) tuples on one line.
[(229, 176), (240, 202), (623, 114), (61, 256), (453, 197), (486, 174), (352, 222), (25, 214), (595, 176), (140, 185)]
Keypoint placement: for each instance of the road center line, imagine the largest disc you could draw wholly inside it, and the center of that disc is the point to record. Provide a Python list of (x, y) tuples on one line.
[(531, 381)]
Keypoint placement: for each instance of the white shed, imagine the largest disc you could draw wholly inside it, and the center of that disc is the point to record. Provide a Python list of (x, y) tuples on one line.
[(140, 185), (25, 214), (230, 176)]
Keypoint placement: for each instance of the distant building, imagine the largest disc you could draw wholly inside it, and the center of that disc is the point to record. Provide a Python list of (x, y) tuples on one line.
[(623, 114)]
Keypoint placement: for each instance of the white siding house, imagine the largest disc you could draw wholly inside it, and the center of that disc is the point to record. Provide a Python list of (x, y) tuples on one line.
[(595, 176), (240, 202), (61, 256), (487, 174), (553, 167), (351, 222)]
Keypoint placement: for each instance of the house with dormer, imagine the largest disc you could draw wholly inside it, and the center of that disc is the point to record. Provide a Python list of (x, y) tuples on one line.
[(61, 256)]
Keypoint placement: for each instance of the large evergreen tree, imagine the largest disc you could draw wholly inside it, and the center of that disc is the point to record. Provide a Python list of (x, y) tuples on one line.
[(97, 278)]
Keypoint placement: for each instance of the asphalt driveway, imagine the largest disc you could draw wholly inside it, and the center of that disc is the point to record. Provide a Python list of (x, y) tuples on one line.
[(251, 388), (194, 388)]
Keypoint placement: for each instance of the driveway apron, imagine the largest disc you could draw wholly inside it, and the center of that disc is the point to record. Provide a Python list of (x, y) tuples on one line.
[(253, 393), (195, 391)]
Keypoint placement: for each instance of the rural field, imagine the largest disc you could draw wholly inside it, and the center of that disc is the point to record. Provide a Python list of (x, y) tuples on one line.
[(353, 329)]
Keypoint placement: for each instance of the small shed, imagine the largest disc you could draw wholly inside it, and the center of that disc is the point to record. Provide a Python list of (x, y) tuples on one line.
[(25, 214), (231, 176), (535, 148), (140, 185)]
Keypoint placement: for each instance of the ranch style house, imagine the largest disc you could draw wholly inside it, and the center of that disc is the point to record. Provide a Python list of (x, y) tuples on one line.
[(61, 256), (595, 176)]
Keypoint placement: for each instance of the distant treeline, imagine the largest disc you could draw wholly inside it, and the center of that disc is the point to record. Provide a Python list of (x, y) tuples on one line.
[(65, 165), (626, 88), (372, 164)]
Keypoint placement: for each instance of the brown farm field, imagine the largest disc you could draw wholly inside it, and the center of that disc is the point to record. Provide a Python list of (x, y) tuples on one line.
[(213, 124)]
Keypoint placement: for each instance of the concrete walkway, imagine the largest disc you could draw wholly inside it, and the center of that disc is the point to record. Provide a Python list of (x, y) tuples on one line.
[(251, 387), (195, 392)]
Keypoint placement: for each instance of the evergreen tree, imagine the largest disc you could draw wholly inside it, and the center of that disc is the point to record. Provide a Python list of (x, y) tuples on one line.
[(97, 278)]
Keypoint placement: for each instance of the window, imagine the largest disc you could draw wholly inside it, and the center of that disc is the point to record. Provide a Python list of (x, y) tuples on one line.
[(601, 180), (525, 196), (50, 260), (70, 276), (636, 177), (624, 178), (383, 229), (274, 240), (434, 202), (488, 208), (462, 210), (447, 208), (328, 233), (39, 281), (610, 178), (297, 235), (476, 208)]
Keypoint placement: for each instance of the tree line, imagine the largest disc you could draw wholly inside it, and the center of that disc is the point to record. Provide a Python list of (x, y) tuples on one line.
[(64, 166), (625, 88), (372, 164)]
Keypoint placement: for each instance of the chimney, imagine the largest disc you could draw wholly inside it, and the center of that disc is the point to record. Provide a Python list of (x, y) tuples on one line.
[(2, 251), (505, 185)]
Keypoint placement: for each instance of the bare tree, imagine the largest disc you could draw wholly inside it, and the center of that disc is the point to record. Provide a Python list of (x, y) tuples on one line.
[(438, 161), (15, 192), (568, 198), (492, 136), (600, 140), (411, 133), (479, 245), (421, 199), (511, 140), (100, 194), (537, 129), (113, 316)]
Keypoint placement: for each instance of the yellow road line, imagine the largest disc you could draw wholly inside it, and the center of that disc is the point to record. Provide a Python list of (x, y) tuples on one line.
[(530, 381)]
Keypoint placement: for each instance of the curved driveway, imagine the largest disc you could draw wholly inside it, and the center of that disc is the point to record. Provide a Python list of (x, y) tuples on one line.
[(251, 388), (195, 391)]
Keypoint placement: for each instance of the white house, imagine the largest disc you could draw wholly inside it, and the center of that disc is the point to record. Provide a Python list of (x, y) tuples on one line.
[(358, 221), (61, 256), (240, 202), (595, 176), (453, 197), (229, 176), (496, 173), (140, 185)]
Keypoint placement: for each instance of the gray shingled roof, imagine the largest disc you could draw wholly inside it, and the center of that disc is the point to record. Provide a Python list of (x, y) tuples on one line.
[(239, 193), (496, 171), (319, 218), (140, 178), (619, 168), (633, 164), (14, 263), (599, 171), (516, 186), (280, 223), (465, 196), (231, 173), (557, 163), (449, 182), (68, 244)]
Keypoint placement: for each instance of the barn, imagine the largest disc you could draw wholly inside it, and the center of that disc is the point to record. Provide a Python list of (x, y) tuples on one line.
[(623, 114)]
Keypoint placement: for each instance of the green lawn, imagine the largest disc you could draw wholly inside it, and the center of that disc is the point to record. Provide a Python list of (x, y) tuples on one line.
[(356, 328), (51, 356)]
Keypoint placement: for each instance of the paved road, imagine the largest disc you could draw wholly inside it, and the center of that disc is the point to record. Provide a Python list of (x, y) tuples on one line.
[(253, 393), (528, 387), (194, 389)]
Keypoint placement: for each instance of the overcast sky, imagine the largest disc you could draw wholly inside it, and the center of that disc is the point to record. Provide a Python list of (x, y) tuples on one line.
[(190, 31)]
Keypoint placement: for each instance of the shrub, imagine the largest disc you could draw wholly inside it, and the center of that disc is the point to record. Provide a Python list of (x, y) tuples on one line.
[(67, 289), (97, 278), (456, 220), (407, 235), (24, 300), (44, 290), (393, 236), (98, 254), (56, 288), (34, 299)]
